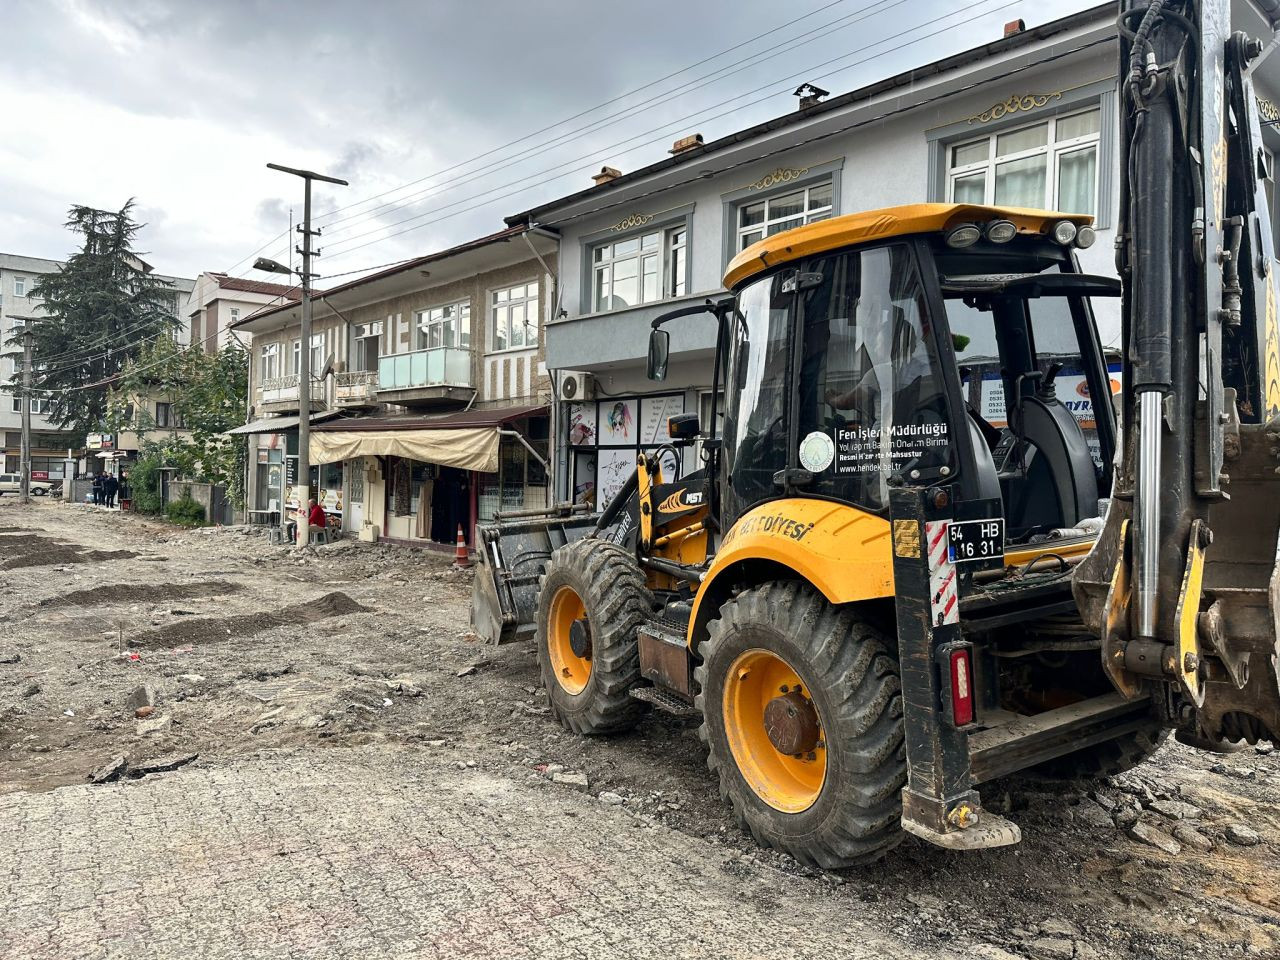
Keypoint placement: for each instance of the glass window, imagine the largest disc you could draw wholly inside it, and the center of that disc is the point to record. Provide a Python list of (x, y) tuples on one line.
[(447, 326), (640, 269), (514, 316), (19, 286), (163, 411), (317, 354), (763, 218), (270, 367), (297, 357), (1049, 165), (868, 374)]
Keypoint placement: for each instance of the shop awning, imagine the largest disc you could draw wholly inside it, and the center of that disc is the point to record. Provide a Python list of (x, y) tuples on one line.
[(279, 424), (467, 440)]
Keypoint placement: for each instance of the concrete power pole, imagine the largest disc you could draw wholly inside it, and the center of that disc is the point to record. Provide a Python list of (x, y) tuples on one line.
[(24, 479), (304, 358)]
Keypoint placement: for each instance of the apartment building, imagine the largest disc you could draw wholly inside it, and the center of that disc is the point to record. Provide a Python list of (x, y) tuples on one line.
[(219, 301), (430, 397), (51, 449)]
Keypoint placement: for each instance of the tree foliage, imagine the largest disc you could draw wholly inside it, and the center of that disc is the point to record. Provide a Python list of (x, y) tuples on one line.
[(208, 393), (100, 312)]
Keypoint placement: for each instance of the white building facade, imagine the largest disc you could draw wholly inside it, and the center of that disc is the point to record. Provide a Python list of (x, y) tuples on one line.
[(1028, 120)]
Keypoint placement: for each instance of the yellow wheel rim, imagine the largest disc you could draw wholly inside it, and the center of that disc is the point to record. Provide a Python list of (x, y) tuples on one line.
[(789, 782), (571, 671)]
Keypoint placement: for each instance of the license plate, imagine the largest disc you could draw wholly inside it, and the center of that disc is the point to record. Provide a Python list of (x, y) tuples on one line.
[(973, 540)]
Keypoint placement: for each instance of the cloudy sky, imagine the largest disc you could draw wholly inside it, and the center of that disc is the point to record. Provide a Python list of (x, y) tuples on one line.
[(444, 115)]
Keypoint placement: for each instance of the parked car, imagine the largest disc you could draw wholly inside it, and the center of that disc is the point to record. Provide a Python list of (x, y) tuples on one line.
[(9, 483)]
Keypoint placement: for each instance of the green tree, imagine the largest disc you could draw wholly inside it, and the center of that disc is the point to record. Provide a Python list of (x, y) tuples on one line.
[(100, 312), (208, 392)]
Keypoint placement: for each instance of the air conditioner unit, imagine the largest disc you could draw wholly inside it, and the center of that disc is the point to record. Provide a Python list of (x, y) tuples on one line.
[(576, 386)]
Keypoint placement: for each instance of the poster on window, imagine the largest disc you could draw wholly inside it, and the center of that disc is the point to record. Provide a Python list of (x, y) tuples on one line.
[(617, 426), (654, 413), (582, 424), (613, 469), (670, 464), (584, 479)]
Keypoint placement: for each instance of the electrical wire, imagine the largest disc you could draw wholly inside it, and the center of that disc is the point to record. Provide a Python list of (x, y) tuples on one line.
[(681, 122)]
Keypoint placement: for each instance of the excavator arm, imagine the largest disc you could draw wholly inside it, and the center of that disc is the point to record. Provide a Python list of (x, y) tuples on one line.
[(1182, 585)]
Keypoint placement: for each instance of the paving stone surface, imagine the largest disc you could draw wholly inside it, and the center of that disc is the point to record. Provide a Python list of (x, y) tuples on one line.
[(371, 854)]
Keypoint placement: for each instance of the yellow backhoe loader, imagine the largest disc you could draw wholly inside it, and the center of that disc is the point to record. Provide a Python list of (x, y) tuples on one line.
[(910, 565)]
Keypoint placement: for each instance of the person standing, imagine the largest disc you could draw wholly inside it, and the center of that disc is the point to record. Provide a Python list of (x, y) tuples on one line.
[(109, 487), (97, 489)]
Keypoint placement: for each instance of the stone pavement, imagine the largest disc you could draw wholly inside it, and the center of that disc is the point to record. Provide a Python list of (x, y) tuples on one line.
[(376, 853)]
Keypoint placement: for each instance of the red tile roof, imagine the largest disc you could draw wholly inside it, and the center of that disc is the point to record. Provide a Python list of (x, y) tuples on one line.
[(226, 282)]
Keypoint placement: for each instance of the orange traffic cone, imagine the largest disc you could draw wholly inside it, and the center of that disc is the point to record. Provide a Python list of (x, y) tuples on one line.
[(461, 558)]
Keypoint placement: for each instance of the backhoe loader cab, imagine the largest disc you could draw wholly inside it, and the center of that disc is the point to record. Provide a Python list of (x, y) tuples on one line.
[(866, 593), (921, 555)]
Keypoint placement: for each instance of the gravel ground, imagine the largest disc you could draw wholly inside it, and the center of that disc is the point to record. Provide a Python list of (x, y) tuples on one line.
[(129, 646)]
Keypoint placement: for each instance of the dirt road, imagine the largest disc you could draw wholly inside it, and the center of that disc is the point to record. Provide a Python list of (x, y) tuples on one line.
[(348, 675)]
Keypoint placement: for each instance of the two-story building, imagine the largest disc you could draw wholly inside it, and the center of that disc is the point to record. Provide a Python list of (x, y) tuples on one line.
[(430, 399), (1029, 120)]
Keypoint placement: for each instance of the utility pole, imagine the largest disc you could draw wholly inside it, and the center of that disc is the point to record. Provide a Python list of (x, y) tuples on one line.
[(24, 480), (304, 352)]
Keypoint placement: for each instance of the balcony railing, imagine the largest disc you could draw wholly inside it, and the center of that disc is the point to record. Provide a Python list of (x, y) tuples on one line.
[(355, 386), (437, 367), (277, 389)]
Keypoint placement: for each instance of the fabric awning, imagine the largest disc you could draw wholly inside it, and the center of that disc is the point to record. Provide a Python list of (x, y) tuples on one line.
[(278, 424), (474, 448), (465, 439)]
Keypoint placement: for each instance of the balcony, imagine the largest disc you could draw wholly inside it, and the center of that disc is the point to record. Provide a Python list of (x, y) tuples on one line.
[(425, 377), (278, 394), (355, 388)]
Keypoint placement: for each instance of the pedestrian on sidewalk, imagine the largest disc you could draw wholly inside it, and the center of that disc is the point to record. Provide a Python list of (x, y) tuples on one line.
[(109, 487), (97, 489)]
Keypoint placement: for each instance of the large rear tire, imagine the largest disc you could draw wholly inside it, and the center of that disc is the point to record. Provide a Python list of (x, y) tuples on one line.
[(591, 602), (802, 718), (1105, 759)]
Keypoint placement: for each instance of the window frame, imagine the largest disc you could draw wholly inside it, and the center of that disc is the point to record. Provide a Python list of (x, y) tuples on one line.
[(493, 305), (807, 214), (423, 322), (666, 221), (317, 360), (1098, 93), (165, 422), (797, 177), (20, 287), (1053, 150), (671, 252), (269, 371), (295, 348)]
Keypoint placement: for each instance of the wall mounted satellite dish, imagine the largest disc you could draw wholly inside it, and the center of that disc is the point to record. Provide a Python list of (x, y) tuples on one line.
[(326, 369)]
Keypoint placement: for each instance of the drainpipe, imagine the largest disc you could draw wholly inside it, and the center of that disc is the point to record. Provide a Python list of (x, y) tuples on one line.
[(558, 451)]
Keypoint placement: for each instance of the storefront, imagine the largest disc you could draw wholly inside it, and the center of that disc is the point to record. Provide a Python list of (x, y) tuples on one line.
[(604, 437), (417, 479)]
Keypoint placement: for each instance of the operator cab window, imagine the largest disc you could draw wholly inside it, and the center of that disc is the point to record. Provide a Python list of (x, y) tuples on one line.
[(1030, 372)]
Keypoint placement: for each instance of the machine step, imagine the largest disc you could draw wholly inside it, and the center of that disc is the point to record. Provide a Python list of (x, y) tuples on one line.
[(666, 702)]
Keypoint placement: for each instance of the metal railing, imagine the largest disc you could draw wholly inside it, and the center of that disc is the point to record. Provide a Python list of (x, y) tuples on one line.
[(355, 385), (275, 389)]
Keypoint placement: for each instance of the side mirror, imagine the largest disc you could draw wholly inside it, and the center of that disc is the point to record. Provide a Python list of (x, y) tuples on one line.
[(659, 349)]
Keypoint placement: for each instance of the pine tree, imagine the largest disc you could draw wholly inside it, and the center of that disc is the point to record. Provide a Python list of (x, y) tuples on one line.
[(100, 312)]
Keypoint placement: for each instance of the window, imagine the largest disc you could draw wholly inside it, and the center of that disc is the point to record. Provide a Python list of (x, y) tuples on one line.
[(515, 316), (641, 268), (764, 218), (235, 314), (317, 354), (297, 357), (164, 414), (19, 286), (448, 326), (367, 337), (270, 361), (1051, 165), (128, 413), (40, 405)]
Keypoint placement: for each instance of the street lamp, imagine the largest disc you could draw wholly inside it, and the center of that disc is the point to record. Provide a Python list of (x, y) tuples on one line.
[(270, 266)]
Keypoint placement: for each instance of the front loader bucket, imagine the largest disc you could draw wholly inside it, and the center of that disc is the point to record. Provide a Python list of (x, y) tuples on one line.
[(510, 560), (1231, 625)]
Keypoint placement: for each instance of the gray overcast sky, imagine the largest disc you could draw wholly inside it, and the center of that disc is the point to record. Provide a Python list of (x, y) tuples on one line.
[(181, 104)]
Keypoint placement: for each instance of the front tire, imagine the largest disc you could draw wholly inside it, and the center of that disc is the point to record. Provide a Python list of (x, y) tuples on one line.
[(591, 603), (802, 718)]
